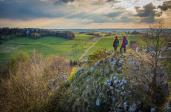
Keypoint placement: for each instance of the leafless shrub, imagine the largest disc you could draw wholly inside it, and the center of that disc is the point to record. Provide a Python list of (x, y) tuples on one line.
[(32, 82), (140, 72)]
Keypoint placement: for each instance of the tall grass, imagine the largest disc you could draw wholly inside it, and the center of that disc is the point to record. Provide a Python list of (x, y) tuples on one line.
[(32, 81)]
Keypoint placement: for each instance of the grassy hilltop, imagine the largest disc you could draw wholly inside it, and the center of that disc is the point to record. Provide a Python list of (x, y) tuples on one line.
[(39, 76), (107, 84)]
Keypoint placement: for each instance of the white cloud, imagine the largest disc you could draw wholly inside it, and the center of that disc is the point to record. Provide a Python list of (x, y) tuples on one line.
[(81, 12)]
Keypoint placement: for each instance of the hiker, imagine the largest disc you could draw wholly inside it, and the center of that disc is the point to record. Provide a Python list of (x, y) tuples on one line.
[(124, 44), (116, 43)]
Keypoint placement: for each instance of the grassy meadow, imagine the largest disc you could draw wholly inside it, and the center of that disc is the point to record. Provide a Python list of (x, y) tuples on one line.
[(47, 46), (106, 42)]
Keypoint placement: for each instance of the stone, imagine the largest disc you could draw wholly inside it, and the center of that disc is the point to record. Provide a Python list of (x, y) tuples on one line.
[(133, 108), (125, 106), (153, 109), (97, 102)]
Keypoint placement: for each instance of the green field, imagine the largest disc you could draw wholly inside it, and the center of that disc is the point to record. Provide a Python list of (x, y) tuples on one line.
[(46, 46), (106, 42), (70, 49)]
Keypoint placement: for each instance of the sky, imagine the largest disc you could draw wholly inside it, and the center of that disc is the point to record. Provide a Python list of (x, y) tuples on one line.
[(84, 14)]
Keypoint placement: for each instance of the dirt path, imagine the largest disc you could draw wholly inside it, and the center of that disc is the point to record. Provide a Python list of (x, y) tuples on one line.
[(87, 50)]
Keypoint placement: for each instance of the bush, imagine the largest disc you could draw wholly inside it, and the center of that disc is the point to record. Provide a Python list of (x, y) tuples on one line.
[(16, 61), (33, 80), (99, 54), (139, 70)]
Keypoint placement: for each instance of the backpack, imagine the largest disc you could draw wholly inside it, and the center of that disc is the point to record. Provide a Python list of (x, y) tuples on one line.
[(116, 43), (126, 42)]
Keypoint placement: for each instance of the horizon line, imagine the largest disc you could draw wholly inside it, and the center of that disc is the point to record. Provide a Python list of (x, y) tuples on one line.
[(80, 28)]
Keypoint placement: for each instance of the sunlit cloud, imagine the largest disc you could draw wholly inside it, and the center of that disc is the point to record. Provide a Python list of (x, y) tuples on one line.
[(80, 13)]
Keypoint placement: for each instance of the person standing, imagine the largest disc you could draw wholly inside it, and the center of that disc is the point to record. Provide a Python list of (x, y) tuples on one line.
[(124, 44), (115, 43)]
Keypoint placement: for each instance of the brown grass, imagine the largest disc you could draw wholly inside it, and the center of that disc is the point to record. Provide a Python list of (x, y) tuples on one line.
[(33, 80)]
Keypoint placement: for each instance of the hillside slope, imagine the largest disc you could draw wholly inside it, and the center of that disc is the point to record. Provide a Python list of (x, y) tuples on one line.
[(120, 83)]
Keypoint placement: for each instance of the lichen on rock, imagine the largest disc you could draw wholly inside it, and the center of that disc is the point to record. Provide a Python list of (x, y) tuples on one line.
[(114, 84)]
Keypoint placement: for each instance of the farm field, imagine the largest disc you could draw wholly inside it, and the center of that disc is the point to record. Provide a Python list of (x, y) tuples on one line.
[(47, 46)]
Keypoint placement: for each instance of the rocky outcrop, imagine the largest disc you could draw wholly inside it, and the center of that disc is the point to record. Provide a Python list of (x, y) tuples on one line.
[(113, 84)]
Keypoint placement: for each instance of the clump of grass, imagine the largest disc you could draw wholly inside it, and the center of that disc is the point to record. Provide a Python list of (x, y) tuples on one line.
[(32, 81), (73, 73)]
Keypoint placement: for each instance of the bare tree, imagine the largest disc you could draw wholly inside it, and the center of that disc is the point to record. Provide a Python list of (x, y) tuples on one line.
[(156, 39)]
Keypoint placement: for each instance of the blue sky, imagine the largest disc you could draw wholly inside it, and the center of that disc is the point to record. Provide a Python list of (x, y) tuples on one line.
[(82, 13)]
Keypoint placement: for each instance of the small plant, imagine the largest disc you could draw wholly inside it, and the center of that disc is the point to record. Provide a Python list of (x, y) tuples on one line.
[(73, 73), (99, 54), (73, 62)]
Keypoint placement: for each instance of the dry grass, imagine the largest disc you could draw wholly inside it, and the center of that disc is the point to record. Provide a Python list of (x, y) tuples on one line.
[(33, 80)]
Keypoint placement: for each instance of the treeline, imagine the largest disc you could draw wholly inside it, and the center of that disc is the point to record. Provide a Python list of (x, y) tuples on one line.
[(34, 33)]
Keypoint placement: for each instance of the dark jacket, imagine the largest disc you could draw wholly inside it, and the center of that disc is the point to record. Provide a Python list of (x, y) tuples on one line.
[(116, 43)]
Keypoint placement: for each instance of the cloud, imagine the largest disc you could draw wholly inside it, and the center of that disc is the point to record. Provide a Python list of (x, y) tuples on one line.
[(97, 11), (67, 0), (147, 13), (63, 23), (165, 6), (31, 9), (82, 1), (85, 11)]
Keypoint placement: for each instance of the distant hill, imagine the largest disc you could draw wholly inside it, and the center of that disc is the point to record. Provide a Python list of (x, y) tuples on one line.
[(106, 30)]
